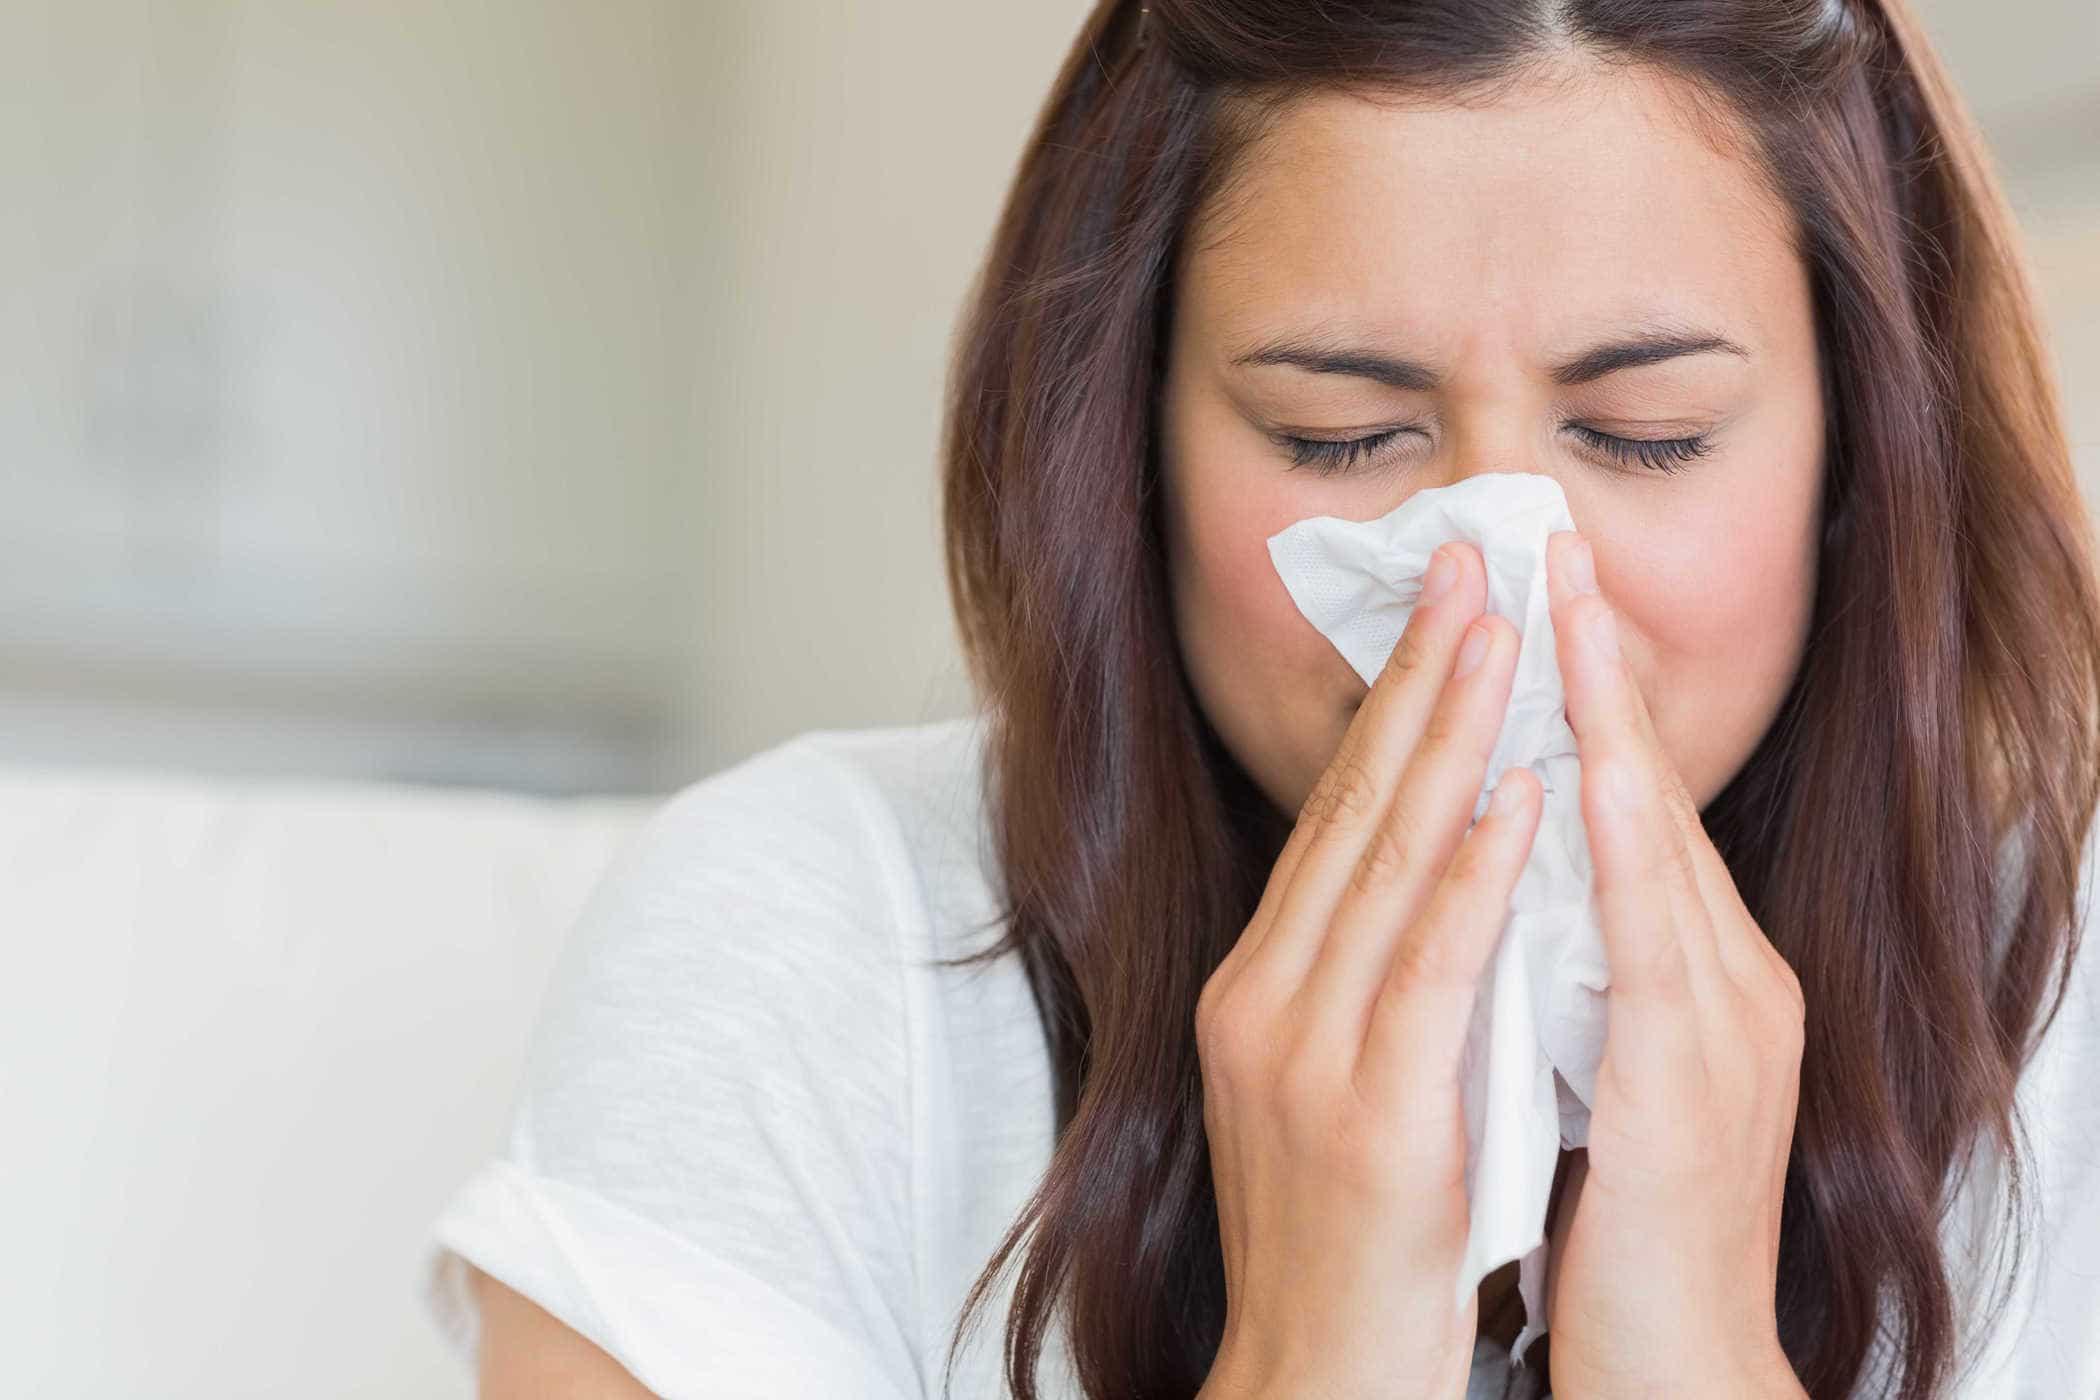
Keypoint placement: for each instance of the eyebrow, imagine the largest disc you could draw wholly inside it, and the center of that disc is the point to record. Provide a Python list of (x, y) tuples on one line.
[(1645, 347)]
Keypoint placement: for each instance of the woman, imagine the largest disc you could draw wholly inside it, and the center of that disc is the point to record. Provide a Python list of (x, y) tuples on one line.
[(1736, 275)]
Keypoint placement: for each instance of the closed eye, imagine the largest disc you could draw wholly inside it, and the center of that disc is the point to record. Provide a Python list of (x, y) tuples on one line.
[(1329, 457), (1662, 454), (1666, 455)]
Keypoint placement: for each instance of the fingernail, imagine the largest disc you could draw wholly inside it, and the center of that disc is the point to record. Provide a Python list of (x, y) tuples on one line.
[(1476, 645), (1443, 572), (1582, 567)]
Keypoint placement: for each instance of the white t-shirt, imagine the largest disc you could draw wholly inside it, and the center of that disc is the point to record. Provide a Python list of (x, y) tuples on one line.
[(763, 1148)]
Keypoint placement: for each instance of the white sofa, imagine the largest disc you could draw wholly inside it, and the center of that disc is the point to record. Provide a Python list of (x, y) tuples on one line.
[(252, 1033)]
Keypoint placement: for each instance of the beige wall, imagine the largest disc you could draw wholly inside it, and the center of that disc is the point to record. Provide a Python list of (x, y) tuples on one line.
[(546, 394), (2060, 217), (863, 151), (343, 384), (2030, 71)]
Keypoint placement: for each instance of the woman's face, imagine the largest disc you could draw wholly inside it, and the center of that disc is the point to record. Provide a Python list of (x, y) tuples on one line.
[(1485, 247)]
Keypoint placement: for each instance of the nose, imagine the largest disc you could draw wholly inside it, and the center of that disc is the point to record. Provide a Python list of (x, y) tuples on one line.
[(1503, 434), (1489, 439), (1493, 442)]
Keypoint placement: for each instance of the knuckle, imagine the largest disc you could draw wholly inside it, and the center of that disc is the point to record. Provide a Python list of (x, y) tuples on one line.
[(1407, 655), (1390, 851), (1230, 1056), (1424, 958), (1345, 792), (1788, 1016), (1441, 731), (1412, 966), (1228, 1042), (1484, 887), (1207, 1009), (1790, 987), (1468, 869)]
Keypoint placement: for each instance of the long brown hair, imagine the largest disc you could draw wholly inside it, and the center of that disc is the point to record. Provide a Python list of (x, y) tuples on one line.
[(1944, 711)]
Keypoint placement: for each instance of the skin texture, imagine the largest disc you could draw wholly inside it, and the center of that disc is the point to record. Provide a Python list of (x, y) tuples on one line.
[(1494, 242), (1491, 242)]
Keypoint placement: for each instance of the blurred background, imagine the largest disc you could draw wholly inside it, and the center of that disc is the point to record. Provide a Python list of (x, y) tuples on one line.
[(545, 395), (432, 432)]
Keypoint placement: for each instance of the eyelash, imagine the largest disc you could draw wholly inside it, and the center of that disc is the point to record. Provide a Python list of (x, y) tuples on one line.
[(1665, 455)]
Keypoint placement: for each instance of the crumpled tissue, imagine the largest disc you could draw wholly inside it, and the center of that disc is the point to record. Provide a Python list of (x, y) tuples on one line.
[(1529, 1070)]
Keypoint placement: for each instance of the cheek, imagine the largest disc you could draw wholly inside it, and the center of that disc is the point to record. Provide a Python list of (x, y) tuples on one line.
[(1715, 605), (1277, 692), (1232, 583)]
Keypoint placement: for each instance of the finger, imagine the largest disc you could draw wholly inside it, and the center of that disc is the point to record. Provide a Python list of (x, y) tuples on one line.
[(1752, 963), (1350, 798), (1416, 1027), (1404, 858), (1435, 620), (1745, 953), (1658, 930), (1571, 578), (1739, 945), (1659, 993)]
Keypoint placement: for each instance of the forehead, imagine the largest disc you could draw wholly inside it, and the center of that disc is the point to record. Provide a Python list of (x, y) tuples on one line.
[(1564, 204)]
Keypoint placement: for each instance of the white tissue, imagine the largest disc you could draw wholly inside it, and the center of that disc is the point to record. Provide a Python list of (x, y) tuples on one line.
[(1529, 1070)]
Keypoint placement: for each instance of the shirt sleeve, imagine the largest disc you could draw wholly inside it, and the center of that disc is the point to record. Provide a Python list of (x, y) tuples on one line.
[(709, 1170)]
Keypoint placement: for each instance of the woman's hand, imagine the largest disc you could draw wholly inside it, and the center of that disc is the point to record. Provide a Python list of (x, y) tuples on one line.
[(1664, 1282), (1330, 1035)]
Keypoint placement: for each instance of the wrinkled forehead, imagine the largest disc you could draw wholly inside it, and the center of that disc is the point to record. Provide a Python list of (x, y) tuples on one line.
[(1535, 213)]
